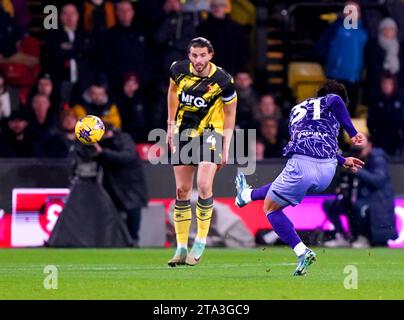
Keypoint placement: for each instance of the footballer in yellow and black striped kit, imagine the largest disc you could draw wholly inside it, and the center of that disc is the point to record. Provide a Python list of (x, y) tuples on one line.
[(201, 99), (202, 103), (200, 114)]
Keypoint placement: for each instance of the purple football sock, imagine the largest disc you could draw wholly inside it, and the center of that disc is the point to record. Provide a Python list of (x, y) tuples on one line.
[(260, 193), (284, 228)]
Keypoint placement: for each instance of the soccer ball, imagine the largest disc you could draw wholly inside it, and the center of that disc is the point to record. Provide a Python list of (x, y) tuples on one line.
[(89, 130)]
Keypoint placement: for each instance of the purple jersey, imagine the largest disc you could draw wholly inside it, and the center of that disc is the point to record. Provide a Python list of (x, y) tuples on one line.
[(314, 126)]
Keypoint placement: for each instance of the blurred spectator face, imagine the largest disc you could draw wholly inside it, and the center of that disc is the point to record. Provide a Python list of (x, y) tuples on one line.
[(388, 86), (172, 6), (69, 17), (267, 105), (259, 150), (387, 29), (199, 58), (17, 126), (45, 86), (68, 121), (131, 86), (269, 129), (98, 95), (40, 105), (125, 13), (219, 8), (243, 80), (97, 2), (389, 32)]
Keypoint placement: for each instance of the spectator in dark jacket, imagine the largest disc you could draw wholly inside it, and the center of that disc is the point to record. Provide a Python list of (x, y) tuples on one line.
[(41, 122), (15, 142), (176, 29), (66, 136), (386, 116), (374, 209), (228, 38), (346, 191), (124, 177), (45, 86), (131, 108), (247, 99), (71, 59), (270, 138), (384, 55), (125, 47), (267, 107), (367, 198), (10, 34), (43, 129)]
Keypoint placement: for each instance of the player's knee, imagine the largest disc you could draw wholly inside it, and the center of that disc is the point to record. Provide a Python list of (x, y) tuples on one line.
[(204, 189), (266, 209), (183, 192), (271, 206)]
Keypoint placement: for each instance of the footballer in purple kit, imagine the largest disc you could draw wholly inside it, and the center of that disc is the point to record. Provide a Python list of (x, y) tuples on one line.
[(312, 151)]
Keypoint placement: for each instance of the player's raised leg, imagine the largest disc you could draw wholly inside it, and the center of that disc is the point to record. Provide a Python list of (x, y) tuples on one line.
[(184, 176), (286, 231), (245, 194), (204, 210)]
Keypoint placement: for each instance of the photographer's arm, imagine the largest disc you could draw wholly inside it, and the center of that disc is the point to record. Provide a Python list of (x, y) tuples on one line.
[(118, 157), (377, 176)]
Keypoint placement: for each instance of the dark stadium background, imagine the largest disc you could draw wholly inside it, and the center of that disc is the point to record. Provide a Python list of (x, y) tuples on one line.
[(279, 34)]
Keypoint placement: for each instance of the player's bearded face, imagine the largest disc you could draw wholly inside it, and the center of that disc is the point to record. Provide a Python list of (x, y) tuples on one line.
[(200, 58)]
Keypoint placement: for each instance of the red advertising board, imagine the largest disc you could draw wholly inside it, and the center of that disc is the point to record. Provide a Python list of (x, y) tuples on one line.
[(35, 212)]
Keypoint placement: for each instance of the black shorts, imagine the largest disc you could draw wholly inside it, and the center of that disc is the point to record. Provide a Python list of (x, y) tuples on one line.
[(191, 151)]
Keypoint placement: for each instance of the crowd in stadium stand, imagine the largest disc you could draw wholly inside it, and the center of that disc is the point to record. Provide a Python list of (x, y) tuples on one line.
[(111, 59)]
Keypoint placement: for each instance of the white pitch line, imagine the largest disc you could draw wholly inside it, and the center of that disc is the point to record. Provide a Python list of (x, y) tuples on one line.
[(126, 267), (132, 268)]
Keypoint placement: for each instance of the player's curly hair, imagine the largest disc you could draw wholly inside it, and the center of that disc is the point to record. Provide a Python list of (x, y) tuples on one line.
[(201, 42), (335, 87)]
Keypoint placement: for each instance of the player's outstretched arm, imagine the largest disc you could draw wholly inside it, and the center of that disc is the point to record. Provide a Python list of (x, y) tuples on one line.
[(172, 103), (341, 113), (353, 164), (359, 139)]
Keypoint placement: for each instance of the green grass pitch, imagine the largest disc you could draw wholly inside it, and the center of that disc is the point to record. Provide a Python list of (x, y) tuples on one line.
[(261, 273)]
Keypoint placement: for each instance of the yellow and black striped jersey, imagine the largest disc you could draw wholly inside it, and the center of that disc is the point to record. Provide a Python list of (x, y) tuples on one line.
[(201, 99)]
